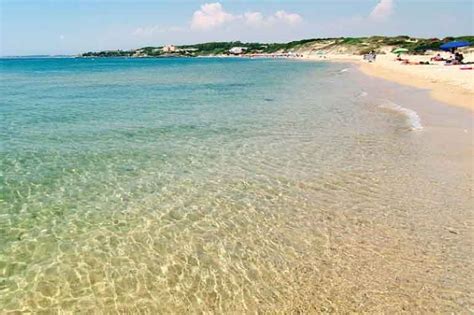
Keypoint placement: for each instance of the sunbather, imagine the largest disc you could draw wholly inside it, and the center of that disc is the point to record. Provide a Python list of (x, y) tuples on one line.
[(457, 60), (437, 58), (408, 62)]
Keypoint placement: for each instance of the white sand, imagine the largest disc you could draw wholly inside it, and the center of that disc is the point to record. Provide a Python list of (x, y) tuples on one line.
[(449, 84)]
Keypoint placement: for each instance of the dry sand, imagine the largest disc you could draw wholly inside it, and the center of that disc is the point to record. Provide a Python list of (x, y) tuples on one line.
[(448, 84)]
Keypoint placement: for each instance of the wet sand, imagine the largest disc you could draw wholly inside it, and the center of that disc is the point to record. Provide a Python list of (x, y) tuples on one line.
[(409, 260)]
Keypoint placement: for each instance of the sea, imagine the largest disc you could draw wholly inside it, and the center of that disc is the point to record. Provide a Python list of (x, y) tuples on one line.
[(229, 185)]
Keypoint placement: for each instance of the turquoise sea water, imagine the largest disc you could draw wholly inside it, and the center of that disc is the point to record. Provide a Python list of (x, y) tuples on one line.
[(170, 185)]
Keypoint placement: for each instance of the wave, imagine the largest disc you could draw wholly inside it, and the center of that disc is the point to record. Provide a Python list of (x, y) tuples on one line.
[(412, 116), (344, 70), (363, 94)]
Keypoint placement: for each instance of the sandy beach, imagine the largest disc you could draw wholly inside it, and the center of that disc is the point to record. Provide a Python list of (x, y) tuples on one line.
[(448, 84)]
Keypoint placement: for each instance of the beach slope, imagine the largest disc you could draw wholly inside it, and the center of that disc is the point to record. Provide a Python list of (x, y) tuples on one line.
[(448, 84)]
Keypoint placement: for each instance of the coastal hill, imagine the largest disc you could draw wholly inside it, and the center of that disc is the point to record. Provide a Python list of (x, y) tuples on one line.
[(344, 45)]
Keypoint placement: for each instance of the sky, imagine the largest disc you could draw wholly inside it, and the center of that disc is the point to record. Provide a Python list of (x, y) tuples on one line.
[(36, 27)]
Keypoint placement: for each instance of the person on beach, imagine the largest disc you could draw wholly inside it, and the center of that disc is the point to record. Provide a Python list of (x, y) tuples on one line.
[(437, 58), (370, 57), (458, 57), (456, 60), (450, 60)]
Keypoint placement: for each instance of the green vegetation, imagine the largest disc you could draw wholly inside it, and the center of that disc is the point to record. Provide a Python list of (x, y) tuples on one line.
[(419, 46), (355, 45), (353, 40), (108, 53)]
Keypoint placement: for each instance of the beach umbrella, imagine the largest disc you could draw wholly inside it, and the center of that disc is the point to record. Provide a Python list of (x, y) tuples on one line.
[(400, 50), (454, 45)]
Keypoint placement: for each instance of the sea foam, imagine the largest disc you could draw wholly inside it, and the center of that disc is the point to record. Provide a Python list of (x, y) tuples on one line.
[(412, 116)]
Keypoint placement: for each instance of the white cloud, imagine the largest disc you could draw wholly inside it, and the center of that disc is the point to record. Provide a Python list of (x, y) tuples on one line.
[(211, 15), (255, 19), (61, 37), (382, 10), (288, 18), (211, 21)]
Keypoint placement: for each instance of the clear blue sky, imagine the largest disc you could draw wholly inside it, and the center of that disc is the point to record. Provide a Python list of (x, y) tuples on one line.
[(74, 26)]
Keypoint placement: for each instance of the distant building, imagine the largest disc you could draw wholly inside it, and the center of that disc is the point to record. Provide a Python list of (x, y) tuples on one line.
[(237, 50), (169, 48)]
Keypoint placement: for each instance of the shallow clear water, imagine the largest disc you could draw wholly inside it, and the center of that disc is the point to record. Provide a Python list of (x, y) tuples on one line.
[(219, 185)]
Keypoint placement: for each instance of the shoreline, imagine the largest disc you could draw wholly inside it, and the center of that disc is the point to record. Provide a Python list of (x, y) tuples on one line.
[(437, 79), (440, 91)]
